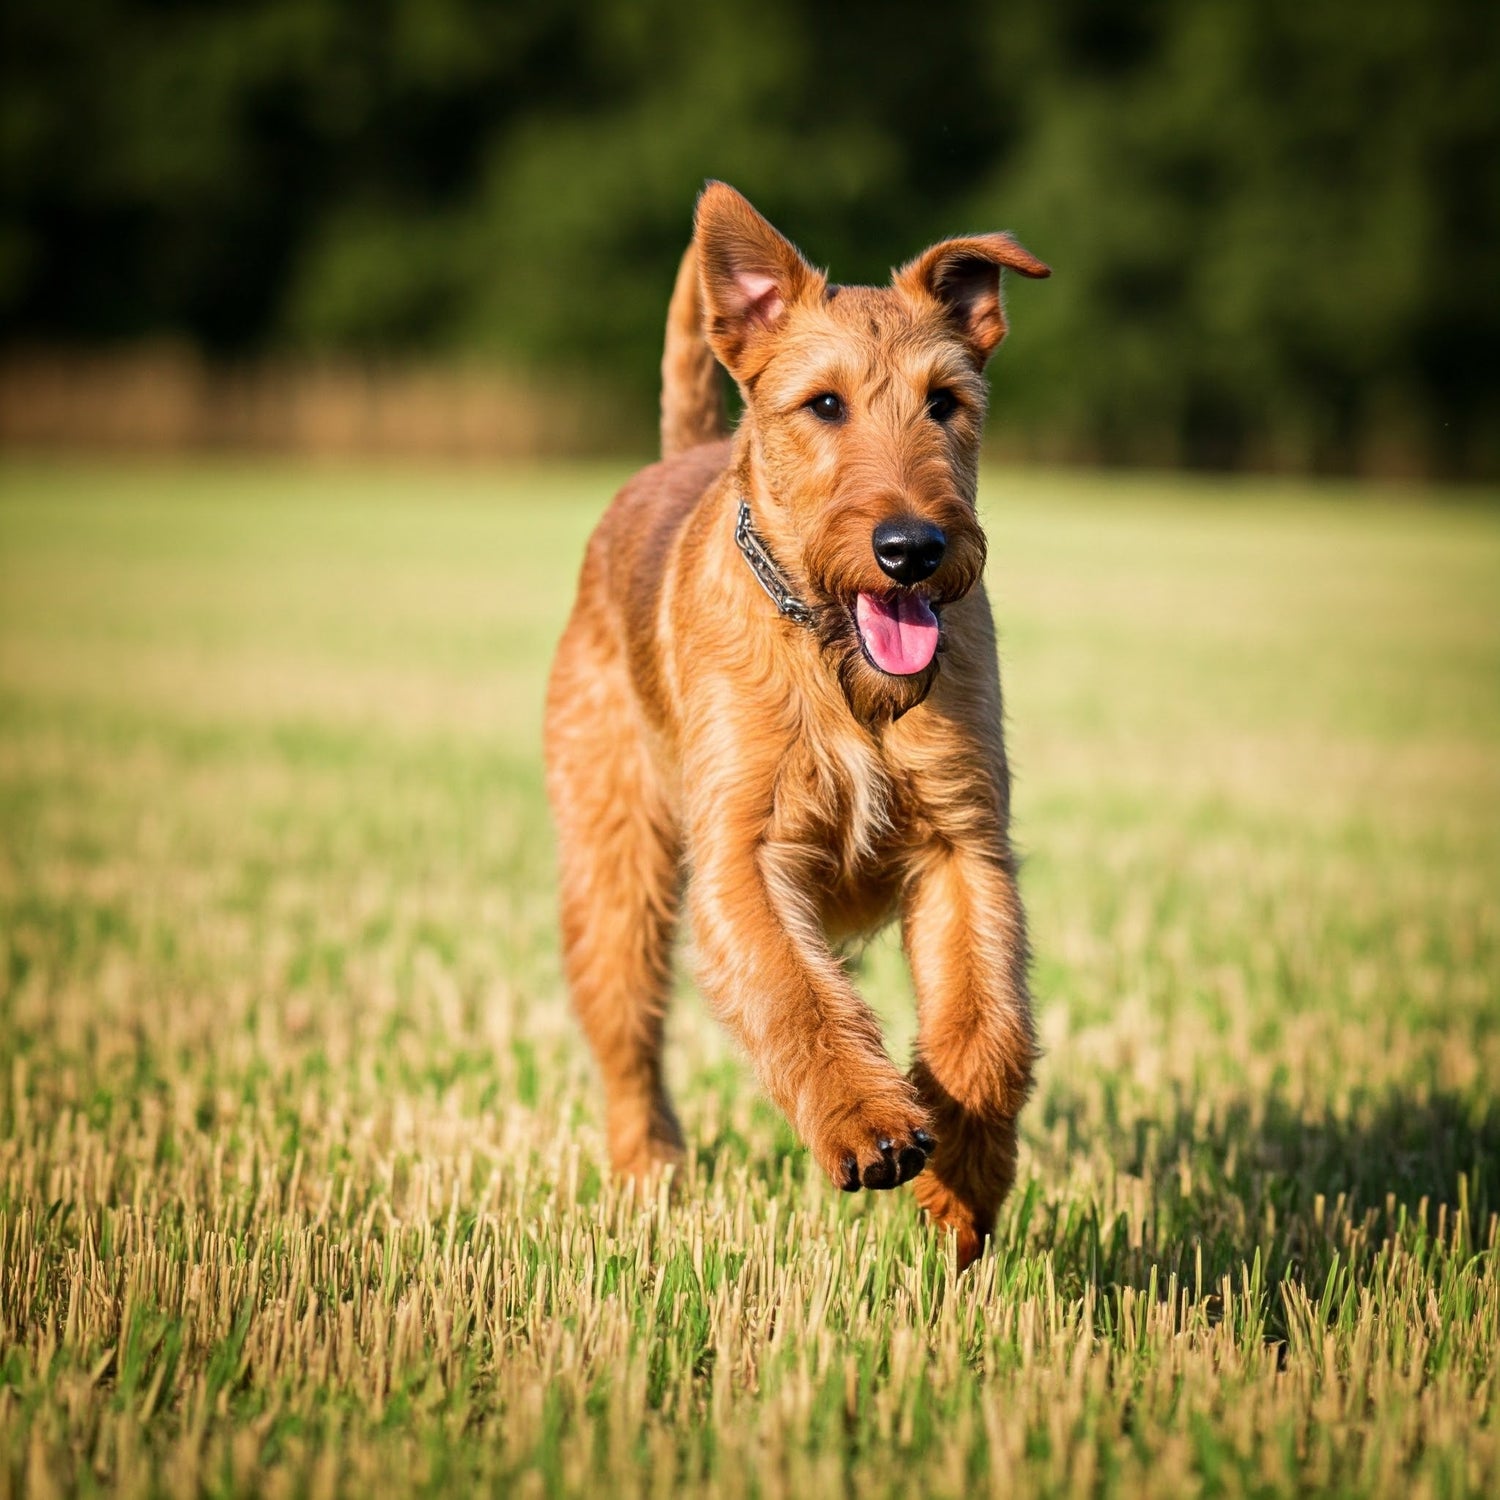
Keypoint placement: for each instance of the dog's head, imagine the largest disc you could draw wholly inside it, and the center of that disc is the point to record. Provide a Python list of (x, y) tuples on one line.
[(864, 407)]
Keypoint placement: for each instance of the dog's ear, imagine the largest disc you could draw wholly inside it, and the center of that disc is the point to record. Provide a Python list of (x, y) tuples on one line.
[(750, 275), (964, 276)]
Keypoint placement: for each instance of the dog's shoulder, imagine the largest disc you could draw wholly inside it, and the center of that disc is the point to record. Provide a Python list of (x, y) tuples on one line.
[(634, 544), (642, 523)]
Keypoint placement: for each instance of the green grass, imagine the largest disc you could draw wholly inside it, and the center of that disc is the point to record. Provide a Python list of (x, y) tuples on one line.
[(301, 1182)]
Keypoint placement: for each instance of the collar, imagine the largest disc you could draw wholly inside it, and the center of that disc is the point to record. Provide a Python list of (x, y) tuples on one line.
[(755, 552)]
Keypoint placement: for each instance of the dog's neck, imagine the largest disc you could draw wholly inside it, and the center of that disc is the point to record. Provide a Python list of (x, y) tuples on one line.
[(767, 574), (875, 700), (873, 710)]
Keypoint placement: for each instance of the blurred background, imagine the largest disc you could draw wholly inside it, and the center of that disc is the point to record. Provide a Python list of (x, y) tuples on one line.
[(327, 329), (447, 226)]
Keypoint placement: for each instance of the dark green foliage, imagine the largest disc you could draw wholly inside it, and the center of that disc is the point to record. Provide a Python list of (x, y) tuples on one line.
[(1274, 222)]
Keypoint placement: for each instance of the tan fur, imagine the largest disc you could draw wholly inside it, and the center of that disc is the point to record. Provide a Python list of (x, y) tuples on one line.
[(699, 743), (692, 404)]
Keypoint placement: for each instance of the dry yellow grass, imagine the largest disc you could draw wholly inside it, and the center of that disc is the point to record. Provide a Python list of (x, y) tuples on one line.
[(300, 1168)]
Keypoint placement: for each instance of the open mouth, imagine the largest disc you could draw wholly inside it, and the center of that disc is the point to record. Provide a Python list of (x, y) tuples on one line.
[(898, 631)]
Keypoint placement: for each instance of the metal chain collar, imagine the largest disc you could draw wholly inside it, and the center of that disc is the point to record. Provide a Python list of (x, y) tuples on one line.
[(767, 574)]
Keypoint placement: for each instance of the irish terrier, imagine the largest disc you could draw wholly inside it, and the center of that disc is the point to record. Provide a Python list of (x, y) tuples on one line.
[(800, 768)]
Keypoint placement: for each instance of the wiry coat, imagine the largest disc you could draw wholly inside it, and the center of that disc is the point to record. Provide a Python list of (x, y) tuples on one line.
[(700, 744)]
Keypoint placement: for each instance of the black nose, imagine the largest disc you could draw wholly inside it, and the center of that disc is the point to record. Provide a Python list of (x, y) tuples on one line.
[(908, 550)]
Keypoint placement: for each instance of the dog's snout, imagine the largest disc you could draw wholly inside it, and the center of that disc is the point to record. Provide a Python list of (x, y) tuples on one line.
[(908, 550)]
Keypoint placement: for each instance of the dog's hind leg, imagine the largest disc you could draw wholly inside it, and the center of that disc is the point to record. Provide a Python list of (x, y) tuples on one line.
[(618, 852)]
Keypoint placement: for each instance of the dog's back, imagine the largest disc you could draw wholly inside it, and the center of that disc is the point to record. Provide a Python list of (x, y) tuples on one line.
[(630, 555)]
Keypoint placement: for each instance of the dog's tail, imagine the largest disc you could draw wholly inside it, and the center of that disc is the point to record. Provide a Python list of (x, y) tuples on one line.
[(692, 396)]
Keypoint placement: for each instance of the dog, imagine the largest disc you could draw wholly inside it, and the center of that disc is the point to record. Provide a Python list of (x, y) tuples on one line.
[(777, 702)]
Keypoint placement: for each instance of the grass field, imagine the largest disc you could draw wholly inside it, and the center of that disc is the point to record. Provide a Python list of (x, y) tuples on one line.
[(300, 1159)]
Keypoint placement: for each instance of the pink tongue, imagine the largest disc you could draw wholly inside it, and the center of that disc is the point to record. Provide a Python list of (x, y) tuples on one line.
[(900, 633)]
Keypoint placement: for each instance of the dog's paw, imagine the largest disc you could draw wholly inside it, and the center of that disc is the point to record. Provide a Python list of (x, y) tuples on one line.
[(967, 1216), (878, 1148), (644, 1147)]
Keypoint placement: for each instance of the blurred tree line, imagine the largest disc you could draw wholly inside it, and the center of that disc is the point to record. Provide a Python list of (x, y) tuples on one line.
[(1274, 223)]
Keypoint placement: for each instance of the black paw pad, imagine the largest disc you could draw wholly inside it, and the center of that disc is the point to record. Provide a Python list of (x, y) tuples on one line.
[(911, 1161), (881, 1173)]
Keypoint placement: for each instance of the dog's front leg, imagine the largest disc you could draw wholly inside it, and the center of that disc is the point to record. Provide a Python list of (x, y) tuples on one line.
[(966, 941), (767, 968)]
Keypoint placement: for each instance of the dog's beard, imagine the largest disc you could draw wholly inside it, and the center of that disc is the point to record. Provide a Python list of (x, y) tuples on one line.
[(874, 697)]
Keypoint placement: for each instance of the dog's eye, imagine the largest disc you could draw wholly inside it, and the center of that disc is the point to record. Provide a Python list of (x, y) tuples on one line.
[(941, 404), (826, 407)]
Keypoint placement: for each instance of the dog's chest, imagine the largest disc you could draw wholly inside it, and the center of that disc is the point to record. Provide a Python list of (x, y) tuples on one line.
[(838, 796)]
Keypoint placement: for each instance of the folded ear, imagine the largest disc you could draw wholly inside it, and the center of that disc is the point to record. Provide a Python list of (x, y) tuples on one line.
[(964, 276), (750, 275)]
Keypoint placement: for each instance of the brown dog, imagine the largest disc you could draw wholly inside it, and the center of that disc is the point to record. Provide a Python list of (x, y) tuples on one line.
[(814, 761)]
